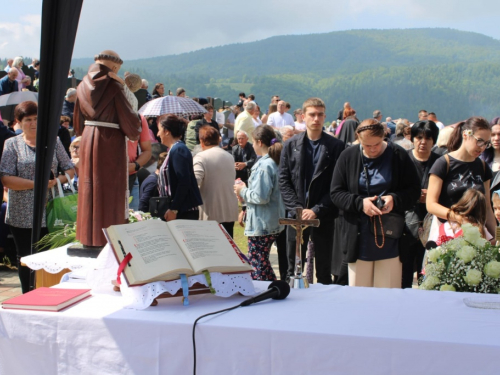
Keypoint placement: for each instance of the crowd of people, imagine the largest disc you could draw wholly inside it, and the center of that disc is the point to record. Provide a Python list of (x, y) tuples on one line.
[(372, 183)]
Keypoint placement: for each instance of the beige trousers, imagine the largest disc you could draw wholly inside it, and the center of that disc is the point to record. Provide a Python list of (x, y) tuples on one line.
[(379, 274)]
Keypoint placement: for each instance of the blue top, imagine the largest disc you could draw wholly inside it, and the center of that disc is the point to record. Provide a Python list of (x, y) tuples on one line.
[(68, 109), (263, 199), (379, 178), (148, 190), (6, 86)]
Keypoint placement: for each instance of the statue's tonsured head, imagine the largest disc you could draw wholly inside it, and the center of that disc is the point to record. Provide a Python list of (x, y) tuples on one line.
[(109, 58)]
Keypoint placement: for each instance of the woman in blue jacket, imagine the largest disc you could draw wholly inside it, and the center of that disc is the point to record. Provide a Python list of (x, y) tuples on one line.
[(176, 177), (264, 203)]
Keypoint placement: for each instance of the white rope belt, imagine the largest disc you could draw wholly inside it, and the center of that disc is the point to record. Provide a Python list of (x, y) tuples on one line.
[(102, 124)]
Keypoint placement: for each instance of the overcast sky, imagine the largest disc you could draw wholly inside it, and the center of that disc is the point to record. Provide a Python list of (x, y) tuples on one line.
[(139, 29)]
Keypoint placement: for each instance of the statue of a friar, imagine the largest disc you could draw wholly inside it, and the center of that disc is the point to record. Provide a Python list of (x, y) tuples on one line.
[(104, 117)]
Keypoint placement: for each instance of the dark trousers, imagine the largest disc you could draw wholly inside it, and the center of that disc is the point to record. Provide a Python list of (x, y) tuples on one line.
[(4, 228), (22, 239), (323, 245), (282, 254), (229, 227), (131, 180), (413, 262), (343, 277), (189, 215)]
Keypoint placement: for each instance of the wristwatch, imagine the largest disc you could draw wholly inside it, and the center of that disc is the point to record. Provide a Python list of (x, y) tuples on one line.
[(137, 166)]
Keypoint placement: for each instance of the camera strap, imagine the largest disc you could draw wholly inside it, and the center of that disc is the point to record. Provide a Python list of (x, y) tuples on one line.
[(372, 219), (365, 169)]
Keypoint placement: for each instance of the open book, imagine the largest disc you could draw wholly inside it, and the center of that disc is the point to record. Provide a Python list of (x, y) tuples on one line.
[(162, 251)]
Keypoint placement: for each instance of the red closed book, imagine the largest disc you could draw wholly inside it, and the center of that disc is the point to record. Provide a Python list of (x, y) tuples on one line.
[(47, 299)]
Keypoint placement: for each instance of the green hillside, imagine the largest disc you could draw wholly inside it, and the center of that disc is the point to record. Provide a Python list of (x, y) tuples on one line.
[(450, 72)]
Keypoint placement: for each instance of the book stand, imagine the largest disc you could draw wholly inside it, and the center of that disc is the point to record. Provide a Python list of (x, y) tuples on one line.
[(197, 288)]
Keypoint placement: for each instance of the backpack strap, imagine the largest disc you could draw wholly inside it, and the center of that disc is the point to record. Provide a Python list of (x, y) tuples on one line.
[(447, 163)]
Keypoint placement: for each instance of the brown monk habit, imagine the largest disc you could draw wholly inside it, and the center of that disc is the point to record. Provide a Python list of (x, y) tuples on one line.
[(103, 172)]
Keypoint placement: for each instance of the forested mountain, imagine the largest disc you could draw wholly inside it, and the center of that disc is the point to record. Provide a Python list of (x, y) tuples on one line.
[(450, 72)]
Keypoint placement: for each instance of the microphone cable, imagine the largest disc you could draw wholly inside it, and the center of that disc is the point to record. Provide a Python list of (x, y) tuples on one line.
[(277, 290), (194, 328)]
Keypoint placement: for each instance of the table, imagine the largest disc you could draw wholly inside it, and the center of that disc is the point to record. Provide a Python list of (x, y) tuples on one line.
[(320, 330), (51, 265)]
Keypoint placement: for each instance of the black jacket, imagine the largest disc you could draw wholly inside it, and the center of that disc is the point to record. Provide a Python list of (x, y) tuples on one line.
[(405, 189), (202, 122), (181, 178), (148, 189), (348, 132), (292, 176), (65, 138), (244, 155), (68, 109)]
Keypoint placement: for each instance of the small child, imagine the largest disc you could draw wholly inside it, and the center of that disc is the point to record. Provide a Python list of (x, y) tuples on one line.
[(472, 208), (495, 198)]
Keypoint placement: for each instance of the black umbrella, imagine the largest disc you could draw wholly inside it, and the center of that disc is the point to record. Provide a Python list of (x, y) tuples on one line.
[(8, 102), (59, 24)]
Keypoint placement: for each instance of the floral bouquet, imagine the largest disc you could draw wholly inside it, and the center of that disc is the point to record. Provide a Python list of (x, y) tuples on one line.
[(135, 216), (464, 264)]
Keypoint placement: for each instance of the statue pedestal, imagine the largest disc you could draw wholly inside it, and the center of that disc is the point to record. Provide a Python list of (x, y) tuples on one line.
[(82, 251)]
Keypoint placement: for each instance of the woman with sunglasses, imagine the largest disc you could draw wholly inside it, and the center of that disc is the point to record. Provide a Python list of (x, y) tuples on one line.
[(459, 170)]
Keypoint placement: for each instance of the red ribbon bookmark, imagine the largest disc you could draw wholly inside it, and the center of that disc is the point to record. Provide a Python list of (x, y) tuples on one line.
[(122, 266)]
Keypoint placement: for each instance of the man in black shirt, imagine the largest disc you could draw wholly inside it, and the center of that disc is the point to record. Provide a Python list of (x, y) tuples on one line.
[(242, 99), (206, 120)]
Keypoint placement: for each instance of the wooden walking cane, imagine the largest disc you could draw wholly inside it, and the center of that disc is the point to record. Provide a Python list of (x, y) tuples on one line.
[(297, 281)]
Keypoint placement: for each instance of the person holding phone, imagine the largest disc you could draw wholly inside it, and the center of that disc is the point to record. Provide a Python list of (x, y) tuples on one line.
[(371, 180)]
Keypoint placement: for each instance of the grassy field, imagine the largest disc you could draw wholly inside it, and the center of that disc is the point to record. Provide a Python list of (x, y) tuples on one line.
[(240, 238)]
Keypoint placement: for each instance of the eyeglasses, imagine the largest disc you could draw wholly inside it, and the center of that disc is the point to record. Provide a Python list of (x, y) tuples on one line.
[(482, 143)]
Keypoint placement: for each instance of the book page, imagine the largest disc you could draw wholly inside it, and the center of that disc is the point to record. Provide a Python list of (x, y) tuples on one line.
[(153, 248), (206, 246)]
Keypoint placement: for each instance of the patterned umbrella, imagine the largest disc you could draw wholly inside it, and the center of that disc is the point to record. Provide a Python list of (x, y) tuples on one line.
[(175, 105), (8, 102)]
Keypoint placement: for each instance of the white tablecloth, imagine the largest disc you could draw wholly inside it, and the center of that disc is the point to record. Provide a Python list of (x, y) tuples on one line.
[(321, 330), (56, 260)]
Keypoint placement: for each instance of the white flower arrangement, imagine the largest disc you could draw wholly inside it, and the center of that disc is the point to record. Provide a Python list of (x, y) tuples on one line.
[(465, 264), (135, 216)]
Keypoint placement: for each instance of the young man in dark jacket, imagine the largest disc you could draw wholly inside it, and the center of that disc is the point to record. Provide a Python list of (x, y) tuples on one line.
[(306, 168)]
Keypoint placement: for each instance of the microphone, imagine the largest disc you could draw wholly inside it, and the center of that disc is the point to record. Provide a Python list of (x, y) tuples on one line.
[(277, 290)]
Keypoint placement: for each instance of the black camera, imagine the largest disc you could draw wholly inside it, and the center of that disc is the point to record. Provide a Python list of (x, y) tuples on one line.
[(379, 202)]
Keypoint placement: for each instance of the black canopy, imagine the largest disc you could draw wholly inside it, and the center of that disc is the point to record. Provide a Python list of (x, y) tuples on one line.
[(59, 24)]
